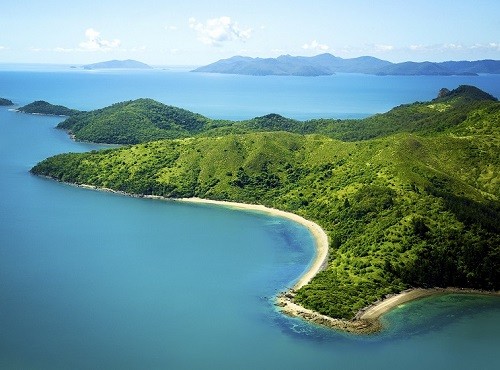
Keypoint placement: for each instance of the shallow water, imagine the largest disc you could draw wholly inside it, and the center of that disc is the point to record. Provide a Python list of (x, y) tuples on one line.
[(97, 280)]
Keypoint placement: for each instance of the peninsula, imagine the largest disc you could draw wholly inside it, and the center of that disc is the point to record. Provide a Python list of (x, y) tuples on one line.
[(403, 197)]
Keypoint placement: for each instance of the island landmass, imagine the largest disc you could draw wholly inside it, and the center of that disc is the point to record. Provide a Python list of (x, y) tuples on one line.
[(404, 198), (43, 107), (328, 64), (118, 64), (5, 102)]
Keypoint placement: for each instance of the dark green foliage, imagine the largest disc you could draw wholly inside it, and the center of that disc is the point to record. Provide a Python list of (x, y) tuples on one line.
[(400, 211), (42, 107), (465, 92), (5, 102)]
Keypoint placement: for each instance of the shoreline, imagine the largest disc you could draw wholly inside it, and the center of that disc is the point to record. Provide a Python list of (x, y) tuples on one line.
[(320, 238), (366, 321)]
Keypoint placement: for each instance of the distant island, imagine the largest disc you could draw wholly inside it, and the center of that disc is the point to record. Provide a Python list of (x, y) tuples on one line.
[(118, 64), (5, 102), (43, 107), (327, 64), (407, 199)]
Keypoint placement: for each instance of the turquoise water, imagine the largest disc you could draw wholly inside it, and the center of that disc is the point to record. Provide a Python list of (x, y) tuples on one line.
[(96, 280)]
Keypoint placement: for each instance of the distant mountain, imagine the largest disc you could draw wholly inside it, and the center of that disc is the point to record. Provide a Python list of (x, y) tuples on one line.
[(327, 64), (115, 64), (286, 65)]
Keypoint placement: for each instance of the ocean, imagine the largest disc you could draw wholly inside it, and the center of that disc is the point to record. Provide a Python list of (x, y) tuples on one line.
[(97, 280)]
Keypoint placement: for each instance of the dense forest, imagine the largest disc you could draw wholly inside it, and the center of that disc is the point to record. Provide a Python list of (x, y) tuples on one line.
[(409, 198)]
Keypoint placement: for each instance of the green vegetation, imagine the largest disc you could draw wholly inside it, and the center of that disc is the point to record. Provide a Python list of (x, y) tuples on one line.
[(416, 205), (134, 122), (5, 102), (42, 107), (143, 120)]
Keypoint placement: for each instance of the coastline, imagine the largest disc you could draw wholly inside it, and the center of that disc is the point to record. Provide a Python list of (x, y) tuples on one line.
[(366, 321)]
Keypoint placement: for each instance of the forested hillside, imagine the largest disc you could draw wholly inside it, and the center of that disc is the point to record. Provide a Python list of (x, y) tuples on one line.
[(411, 200), (143, 120)]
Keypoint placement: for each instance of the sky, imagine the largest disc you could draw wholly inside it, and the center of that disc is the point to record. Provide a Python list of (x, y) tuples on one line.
[(188, 32)]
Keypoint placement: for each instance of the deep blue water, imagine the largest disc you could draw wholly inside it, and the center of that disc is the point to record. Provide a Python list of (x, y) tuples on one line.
[(96, 280)]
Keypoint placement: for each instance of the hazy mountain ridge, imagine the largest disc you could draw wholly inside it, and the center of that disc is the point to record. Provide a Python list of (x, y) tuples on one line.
[(118, 64), (327, 64)]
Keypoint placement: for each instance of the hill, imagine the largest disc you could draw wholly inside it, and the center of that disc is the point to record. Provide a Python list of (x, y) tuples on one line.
[(5, 102), (115, 64), (133, 122), (401, 210), (327, 64), (142, 120), (43, 107)]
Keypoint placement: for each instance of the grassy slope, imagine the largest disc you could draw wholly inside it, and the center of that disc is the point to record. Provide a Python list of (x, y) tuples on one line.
[(404, 210)]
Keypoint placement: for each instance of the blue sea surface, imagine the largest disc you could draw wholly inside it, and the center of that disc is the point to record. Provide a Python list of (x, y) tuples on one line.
[(94, 280)]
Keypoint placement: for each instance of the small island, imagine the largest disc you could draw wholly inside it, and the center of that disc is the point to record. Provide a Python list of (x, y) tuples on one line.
[(43, 107), (5, 102), (401, 200), (118, 64)]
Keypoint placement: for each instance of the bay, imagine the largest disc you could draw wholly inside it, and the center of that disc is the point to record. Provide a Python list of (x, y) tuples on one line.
[(97, 280)]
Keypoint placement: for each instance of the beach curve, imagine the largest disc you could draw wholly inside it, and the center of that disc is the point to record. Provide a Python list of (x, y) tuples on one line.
[(320, 237)]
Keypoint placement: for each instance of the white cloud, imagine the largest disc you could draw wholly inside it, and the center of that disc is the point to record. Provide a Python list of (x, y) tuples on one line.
[(382, 47), (171, 28), (216, 31), (417, 47), (316, 46), (63, 50), (95, 43), (452, 46)]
